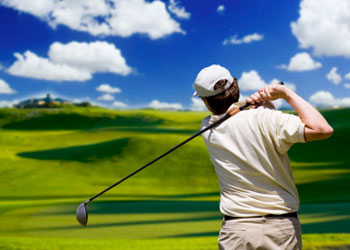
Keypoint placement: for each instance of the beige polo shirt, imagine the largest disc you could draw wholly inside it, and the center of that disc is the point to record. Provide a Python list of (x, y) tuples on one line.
[(249, 153)]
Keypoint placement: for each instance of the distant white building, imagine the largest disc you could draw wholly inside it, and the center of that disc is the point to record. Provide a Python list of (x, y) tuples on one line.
[(48, 101)]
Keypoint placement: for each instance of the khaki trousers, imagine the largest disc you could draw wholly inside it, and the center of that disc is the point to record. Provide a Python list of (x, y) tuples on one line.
[(261, 233)]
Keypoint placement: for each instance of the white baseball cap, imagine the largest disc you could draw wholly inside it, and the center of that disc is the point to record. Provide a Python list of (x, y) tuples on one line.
[(206, 79)]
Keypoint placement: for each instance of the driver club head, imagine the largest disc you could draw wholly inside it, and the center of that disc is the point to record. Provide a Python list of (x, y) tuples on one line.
[(82, 215)]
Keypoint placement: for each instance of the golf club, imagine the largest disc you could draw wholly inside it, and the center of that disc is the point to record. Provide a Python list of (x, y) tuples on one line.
[(82, 214)]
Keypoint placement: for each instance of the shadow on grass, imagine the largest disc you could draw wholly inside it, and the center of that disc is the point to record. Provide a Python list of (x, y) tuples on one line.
[(85, 153), (321, 166), (147, 206), (335, 226), (142, 206), (334, 188), (333, 217), (334, 149)]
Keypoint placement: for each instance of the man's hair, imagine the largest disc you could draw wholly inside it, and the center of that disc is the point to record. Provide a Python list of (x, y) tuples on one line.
[(220, 103)]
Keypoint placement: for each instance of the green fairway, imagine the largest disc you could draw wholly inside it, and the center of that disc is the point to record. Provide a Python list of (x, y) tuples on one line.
[(54, 159)]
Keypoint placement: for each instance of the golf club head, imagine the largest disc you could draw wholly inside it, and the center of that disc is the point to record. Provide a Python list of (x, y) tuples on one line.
[(82, 215)]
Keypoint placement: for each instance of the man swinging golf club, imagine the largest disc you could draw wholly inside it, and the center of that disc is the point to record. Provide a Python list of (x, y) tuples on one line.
[(258, 197)]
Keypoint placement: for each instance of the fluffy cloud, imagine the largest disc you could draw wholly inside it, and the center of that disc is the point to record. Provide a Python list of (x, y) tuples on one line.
[(106, 97), (251, 81), (301, 62), (324, 26), (30, 65), (71, 62), (347, 85), (246, 39), (333, 76), (103, 17), (221, 8), (326, 99), (197, 104), (108, 89), (164, 105), (119, 104), (177, 10), (5, 88), (95, 57)]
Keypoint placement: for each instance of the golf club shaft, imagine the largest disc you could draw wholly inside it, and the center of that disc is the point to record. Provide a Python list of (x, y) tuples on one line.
[(244, 106)]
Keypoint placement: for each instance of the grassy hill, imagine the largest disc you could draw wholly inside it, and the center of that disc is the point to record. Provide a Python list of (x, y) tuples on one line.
[(53, 159)]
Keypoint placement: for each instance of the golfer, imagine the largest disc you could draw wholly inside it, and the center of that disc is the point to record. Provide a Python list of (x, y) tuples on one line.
[(258, 197)]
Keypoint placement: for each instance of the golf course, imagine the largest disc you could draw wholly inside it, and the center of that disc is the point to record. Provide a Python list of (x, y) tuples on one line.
[(54, 159)]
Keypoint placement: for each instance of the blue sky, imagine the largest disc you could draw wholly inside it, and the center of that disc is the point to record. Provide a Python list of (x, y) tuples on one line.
[(137, 53)]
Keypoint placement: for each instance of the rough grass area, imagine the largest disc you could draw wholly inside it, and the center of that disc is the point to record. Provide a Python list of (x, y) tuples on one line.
[(52, 160)]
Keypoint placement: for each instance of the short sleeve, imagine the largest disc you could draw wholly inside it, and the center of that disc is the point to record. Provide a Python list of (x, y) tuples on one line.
[(285, 129)]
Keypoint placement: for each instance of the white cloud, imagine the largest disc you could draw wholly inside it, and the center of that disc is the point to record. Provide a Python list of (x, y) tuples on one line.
[(197, 104), (301, 62), (324, 26), (30, 65), (333, 76), (177, 10), (106, 97), (71, 62), (119, 104), (347, 76), (108, 89), (8, 104), (96, 56), (347, 85), (326, 99), (103, 17), (39, 8), (251, 81), (5, 88), (246, 39), (221, 8), (164, 105)]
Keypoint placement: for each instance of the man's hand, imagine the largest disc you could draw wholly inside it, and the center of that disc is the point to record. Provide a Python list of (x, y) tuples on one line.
[(269, 93)]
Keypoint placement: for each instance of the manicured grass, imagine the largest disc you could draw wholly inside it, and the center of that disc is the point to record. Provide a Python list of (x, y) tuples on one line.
[(52, 160)]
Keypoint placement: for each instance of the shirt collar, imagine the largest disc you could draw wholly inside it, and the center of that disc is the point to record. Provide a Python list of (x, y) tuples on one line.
[(214, 118)]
